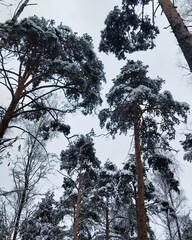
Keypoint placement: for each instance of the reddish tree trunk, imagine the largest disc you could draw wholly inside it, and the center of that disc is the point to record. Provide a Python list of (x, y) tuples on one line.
[(9, 113), (180, 30), (140, 206)]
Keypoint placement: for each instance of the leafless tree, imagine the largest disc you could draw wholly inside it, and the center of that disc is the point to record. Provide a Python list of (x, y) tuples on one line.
[(30, 165)]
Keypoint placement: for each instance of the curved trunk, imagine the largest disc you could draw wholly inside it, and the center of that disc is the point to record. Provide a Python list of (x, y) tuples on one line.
[(140, 205), (181, 32)]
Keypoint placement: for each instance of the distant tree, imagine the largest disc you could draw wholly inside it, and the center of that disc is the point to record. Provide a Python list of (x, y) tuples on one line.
[(45, 222), (129, 28), (126, 224), (81, 165), (47, 69), (187, 230), (187, 146), (30, 164), (4, 225), (135, 102), (106, 193), (168, 193), (172, 212)]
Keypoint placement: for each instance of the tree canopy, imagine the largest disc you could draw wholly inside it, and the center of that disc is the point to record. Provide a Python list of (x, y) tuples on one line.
[(47, 60)]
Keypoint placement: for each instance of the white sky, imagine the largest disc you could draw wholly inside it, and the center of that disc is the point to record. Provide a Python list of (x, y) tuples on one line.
[(87, 16)]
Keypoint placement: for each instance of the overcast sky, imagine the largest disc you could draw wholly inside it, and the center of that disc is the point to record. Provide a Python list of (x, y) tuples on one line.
[(87, 16)]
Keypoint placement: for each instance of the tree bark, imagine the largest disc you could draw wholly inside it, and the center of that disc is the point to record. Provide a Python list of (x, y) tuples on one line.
[(22, 200), (77, 210), (21, 207), (140, 205), (9, 113), (169, 226), (107, 218), (176, 218), (180, 30)]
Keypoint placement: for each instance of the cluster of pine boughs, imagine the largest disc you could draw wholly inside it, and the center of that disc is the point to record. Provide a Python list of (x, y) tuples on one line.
[(48, 72)]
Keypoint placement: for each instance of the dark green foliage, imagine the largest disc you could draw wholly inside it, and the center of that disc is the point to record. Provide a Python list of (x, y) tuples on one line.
[(132, 86), (54, 126), (187, 146), (4, 231), (163, 165), (80, 150), (45, 223), (82, 166), (136, 100), (187, 230), (128, 29), (57, 71)]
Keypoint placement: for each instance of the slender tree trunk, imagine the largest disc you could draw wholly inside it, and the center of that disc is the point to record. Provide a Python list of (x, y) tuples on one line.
[(169, 226), (107, 218), (176, 218), (22, 200), (21, 207), (77, 210), (180, 30), (141, 213)]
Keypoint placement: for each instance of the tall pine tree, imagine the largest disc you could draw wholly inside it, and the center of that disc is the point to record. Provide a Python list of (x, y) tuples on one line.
[(135, 102)]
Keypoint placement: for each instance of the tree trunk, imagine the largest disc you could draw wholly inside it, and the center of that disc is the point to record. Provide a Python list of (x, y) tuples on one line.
[(107, 218), (77, 210), (141, 213), (9, 113), (169, 226), (21, 207), (22, 200), (181, 32), (176, 218)]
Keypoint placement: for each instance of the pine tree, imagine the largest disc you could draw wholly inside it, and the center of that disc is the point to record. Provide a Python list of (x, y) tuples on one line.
[(106, 193), (129, 28), (135, 102), (169, 197), (46, 221), (81, 165), (187, 230), (126, 225), (53, 71)]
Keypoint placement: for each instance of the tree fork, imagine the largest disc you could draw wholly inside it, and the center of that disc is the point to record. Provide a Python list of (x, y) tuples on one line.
[(141, 213), (9, 112), (180, 30)]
